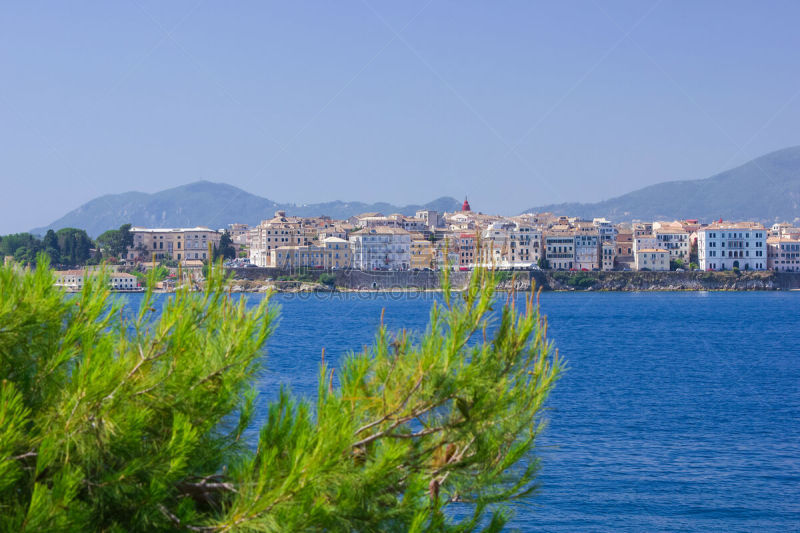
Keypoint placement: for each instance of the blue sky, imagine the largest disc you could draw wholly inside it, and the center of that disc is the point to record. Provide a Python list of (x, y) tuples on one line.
[(514, 103)]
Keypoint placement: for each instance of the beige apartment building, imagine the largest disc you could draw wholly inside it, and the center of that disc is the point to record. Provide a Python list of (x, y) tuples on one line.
[(177, 244), (422, 253), (673, 237), (331, 253), (656, 259), (240, 233), (783, 254), (279, 231)]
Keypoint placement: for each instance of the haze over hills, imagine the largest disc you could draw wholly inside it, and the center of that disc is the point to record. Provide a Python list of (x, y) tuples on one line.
[(204, 203), (766, 189)]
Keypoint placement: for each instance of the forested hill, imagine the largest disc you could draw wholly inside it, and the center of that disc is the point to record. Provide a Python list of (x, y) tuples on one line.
[(766, 189), (215, 205)]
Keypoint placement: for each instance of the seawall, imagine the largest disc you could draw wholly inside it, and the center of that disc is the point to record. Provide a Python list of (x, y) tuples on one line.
[(523, 280), (356, 279)]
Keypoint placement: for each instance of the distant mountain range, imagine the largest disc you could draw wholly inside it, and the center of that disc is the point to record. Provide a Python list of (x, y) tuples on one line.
[(215, 205), (766, 189)]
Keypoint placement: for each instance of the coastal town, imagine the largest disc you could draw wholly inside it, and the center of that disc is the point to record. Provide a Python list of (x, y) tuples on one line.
[(467, 239), (429, 241)]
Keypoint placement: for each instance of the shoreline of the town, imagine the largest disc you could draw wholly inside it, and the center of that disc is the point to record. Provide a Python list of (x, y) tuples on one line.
[(523, 281)]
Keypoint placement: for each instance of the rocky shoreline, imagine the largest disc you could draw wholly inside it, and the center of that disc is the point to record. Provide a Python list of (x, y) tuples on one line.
[(350, 281)]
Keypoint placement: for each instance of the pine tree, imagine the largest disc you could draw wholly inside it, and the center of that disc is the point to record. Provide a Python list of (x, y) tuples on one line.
[(108, 424)]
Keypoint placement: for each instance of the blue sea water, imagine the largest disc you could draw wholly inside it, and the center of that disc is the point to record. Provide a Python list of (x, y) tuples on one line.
[(679, 411)]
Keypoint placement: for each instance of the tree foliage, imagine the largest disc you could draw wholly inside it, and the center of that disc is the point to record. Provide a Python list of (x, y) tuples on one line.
[(23, 247), (111, 424), (225, 249), (75, 246), (67, 246), (115, 242)]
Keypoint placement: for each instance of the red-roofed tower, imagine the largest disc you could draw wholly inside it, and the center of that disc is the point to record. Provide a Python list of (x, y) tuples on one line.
[(465, 206)]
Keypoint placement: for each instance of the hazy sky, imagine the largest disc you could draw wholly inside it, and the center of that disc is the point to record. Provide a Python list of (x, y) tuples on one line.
[(514, 103)]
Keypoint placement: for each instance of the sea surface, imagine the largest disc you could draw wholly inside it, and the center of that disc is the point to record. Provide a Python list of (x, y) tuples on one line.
[(679, 411)]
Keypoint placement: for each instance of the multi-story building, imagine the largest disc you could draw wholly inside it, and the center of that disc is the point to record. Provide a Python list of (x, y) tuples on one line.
[(642, 229), (779, 229), (381, 247), (623, 258), (73, 280), (240, 233), (507, 244), (70, 279), (337, 252), (446, 254), (467, 243), (276, 232), (122, 281), (652, 259), (179, 244), (410, 224), (559, 249), (587, 249), (422, 253), (371, 220), (641, 242), (337, 232), (526, 246), (783, 254), (729, 245), (608, 251), (606, 230), (672, 237), (331, 253), (431, 218)]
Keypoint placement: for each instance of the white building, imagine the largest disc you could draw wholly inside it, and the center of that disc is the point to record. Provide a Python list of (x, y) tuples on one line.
[(70, 279), (606, 230), (122, 281), (431, 218), (73, 280), (725, 246), (382, 248), (587, 250)]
